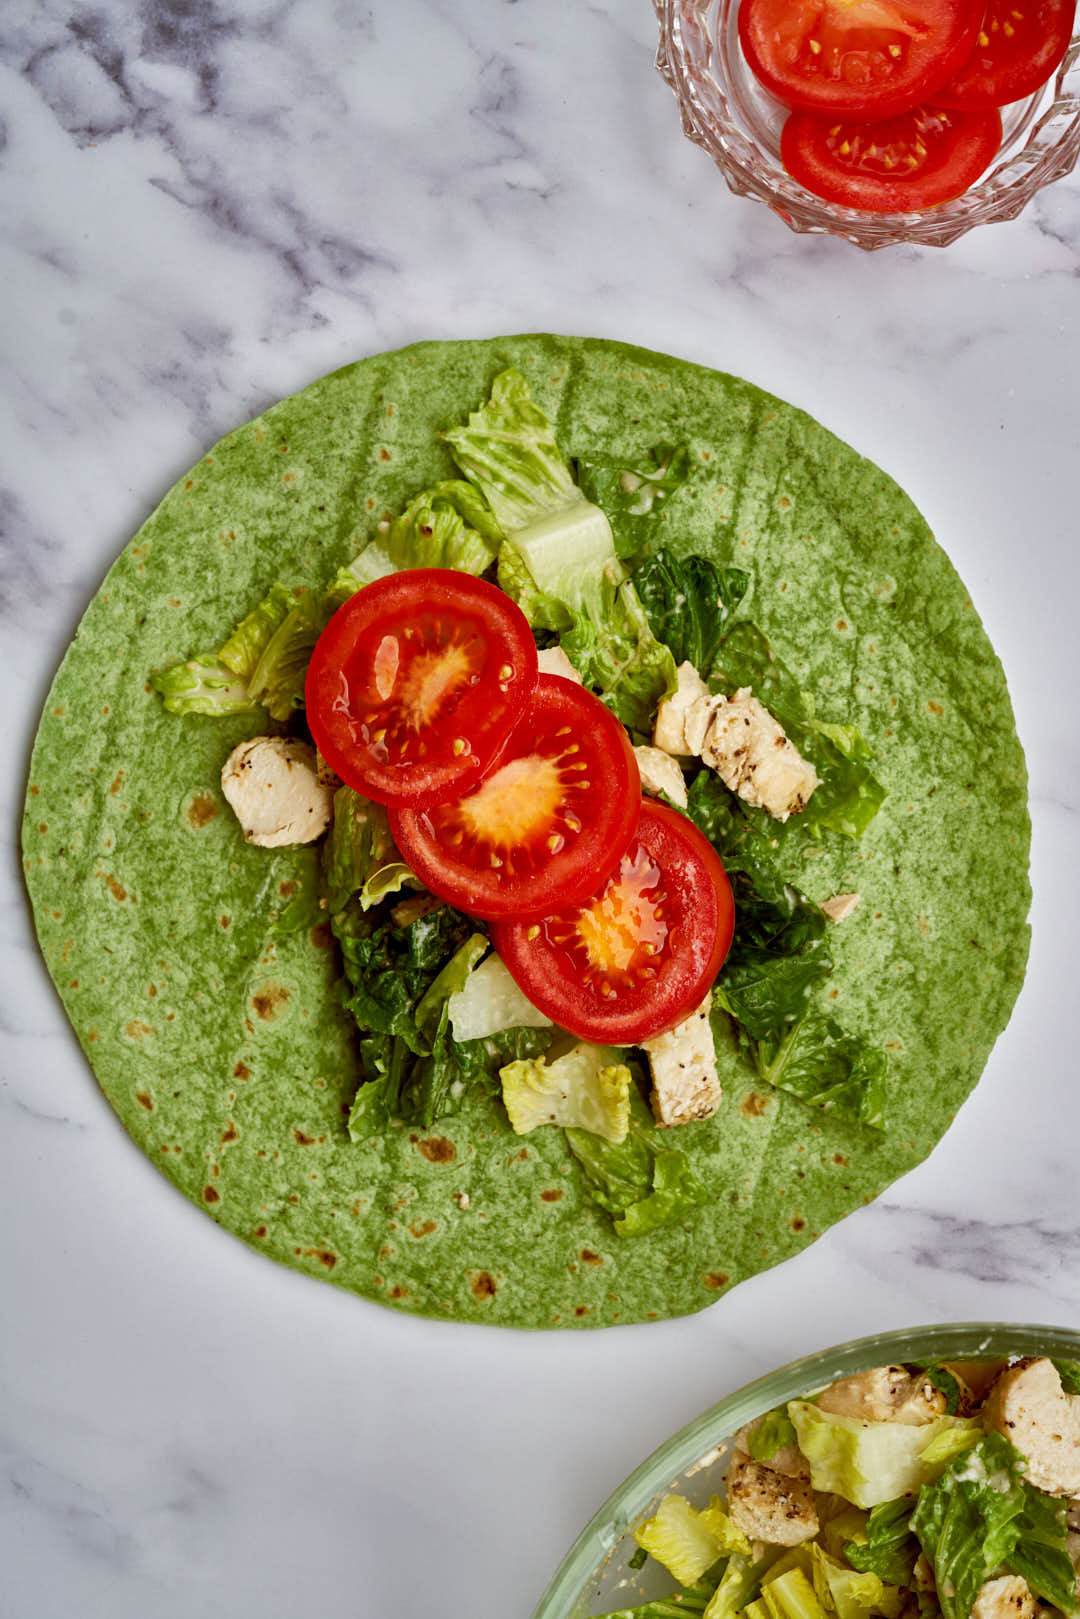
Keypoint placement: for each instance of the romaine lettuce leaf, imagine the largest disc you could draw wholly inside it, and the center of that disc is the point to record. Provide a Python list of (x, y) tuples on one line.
[(968, 1521), (851, 1593), (1041, 1553), (849, 795), (890, 1548), (791, 1596), (688, 1541), (693, 1599), (867, 1462), (689, 602), (277, 680), (616, 653), (203, 685), (772, 1433), (824, 1066), (245, 646), (359, 856), (640, 1181), (588, 1089), (491, 1001), (447, 526), (634, 496)]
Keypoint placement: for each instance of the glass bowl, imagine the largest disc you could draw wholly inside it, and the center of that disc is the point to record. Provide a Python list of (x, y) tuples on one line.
[(595, 1577), (728, 114)]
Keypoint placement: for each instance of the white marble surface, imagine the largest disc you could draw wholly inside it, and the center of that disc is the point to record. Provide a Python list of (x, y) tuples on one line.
[(205, 206)]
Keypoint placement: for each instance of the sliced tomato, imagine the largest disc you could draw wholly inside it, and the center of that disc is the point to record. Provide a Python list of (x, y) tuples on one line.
[(416, 683), (548, 823), (1019, 45), (640, 953), (915, 161), (864, 59)]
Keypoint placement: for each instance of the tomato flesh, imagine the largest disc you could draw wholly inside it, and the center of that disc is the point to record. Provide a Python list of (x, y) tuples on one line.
[(918, 160), (545, 826), (416, 683), (864, 59), (639, 954), (1019, 45)]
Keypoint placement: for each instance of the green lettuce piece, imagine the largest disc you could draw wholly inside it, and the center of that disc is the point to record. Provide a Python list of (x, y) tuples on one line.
[(640, 1181), (616, 653), (849, 795), (867, 1462), (277, 680), (203, 685), (739, 1584), (773, 1432), (688, 1541), (508, 449), (245, 646), (1041, 1552), (791, 1596), (303, 909), (949, 1443), (850, 1593), (886, 1547), (491, 1001), (968, 1521), (634, 496), (447, 526), (544, 612), (587, 1089), (356, 850), (1069, 1372), (826, 1067), (689, 602), (693, 1599)]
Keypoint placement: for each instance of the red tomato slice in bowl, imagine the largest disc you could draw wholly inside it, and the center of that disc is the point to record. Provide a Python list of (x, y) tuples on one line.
[(917, 160), (639, 954), (416, 683), (865, 59), (548, 823), (1019, 45)]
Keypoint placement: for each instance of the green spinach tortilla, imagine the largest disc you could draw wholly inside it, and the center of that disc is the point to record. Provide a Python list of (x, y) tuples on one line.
[(221, 1044)]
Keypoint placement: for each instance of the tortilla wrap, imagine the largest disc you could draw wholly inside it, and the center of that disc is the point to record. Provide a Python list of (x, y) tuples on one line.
[(222, 1046)]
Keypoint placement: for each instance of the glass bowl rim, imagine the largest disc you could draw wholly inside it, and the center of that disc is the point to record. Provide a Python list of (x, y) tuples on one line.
[(955, 1340)]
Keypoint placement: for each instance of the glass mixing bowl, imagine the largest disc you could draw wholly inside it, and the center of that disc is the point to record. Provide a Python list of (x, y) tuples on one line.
[(728, 114), (595, 1576)]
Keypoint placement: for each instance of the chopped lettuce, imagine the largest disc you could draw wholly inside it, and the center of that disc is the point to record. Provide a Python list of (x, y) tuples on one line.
[(689, 602), (968, 1521), (886, 1545), (739, 1584), (447, 526), (849, 795), (688, 1541), (247, 643), (490, 1001), (693, 1599), (852, 1594), (642, 1182), (634, 496), (867, 1462), (826, 1067), (277, 680), (1069, 1372), (203, 685), (508, 449), (359, 856), (772, 1433), (1041, 1553), (790, 1595), (587, 1089)]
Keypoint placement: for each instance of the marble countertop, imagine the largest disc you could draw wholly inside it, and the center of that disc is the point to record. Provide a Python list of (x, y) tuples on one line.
[(207, 205)]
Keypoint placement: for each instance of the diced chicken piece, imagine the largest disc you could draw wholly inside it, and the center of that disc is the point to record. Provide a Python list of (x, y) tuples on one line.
[(274, 789), (1029, 1406), (884, 1394), (768, 1506), (789, 1460), (553, 661), (686, 1085), (690, 699), (751, 754), (660, 773), (1007, 1598), (840, 906)]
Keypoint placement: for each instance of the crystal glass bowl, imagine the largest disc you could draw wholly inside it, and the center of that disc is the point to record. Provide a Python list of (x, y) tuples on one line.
[(595, 1577), (728, 114)]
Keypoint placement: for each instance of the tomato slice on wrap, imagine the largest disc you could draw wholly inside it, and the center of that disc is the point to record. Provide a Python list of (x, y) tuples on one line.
[(639, 954), (1020, 43), (917, 160), (862, 59), (416, 683), (545, 826)]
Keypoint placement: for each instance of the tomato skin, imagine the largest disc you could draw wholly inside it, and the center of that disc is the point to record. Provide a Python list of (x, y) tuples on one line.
[(699, 912), (858, 59), (949, 151), (487, 851), (358, 684), (1019, 46)]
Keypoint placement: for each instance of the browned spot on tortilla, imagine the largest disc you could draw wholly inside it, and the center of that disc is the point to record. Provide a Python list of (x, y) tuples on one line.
[(716, 1279), (285, 889), (136, 1030), (841, 624), (74, 984), (34, 790), (552, 1195), (753, 1105), (117, 779), (384, 454), (838, 1158), (43, 827), (60, 711), (116, 889), (267, 1001), (260, 1231), (91, 1034), (519, 1157), (590, 1258), (422, 1228), (935, 708), (224, 920), (145, 1100), (211, 1195), (581, 1309), (798, 1224), (484, 1285), (202, 809), (241, 1071), (320, 936), (230, 1133), (302, 1140), (398, 1292), (152, 991), (437, 1150)]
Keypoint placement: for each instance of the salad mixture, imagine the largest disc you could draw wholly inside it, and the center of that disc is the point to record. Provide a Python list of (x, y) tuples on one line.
[(944, 1490), (550, 767), (895, 103)]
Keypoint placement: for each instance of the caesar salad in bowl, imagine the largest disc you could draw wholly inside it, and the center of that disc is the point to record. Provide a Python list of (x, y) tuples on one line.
[(914, 1474)]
